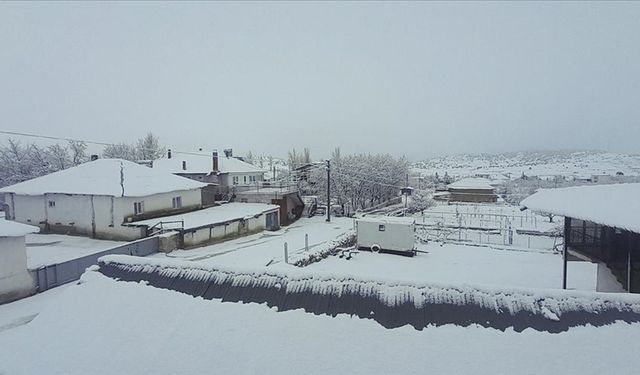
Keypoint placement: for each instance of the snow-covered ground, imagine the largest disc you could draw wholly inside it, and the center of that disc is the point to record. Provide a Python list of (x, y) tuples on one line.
[(267, 247), (44, 249), (107, 327), (543, 164), (456, 264)]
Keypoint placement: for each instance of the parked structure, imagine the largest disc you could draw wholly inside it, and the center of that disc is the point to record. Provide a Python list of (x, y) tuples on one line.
[(95, 198), (476, 190), (601, 225), (230, 174), (15, 280), (386, 233)]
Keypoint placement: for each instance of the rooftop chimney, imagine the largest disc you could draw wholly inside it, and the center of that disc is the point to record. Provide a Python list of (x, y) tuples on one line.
[(169, 154), (215, 161), (184, 165)]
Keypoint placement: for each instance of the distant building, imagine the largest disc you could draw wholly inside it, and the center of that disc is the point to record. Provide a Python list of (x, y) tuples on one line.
[(15, 280), (601, 225), (475, 190), (95, 198), (227, 173)]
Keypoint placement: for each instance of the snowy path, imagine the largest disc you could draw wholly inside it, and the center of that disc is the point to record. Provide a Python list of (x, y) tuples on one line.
[(259, 249)]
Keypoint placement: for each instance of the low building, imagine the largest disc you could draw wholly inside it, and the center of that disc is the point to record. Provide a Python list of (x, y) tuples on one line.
[(215, 224), (228, 173), (15, 280), (95, 198), (600, 225), (474, 190), (289, 200)]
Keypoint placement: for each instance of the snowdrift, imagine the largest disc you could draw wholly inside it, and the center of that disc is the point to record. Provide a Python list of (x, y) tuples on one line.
[(390, 303)]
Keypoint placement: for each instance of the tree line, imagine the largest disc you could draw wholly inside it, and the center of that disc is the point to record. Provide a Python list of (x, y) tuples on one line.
[(20, 162)]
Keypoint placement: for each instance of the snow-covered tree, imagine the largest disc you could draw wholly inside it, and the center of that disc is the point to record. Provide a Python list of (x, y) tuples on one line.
[(148, 148), (120, 151)]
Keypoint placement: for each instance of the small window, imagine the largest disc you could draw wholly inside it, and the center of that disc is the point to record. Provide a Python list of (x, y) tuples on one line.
[(176, 202), (245, 179), (138, 207), (381, 227), (52, 203), (235, 180)]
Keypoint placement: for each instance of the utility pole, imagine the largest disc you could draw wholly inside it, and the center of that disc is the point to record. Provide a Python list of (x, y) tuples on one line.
[(328, 191)]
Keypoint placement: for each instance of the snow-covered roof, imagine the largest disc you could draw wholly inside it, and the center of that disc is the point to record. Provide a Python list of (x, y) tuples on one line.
[(389, 220), (472, 183), (10, 228), (213, 215), (203, 164), (102, 177), (611, 205)]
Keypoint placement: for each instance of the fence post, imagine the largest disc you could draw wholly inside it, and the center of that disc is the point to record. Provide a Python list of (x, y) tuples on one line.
[(306, 242), (286, 254)]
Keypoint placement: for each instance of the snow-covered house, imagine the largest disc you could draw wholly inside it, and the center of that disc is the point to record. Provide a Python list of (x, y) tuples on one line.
[(229, 173), (478, 190), (15, 280), (601, 225), (95, 198)]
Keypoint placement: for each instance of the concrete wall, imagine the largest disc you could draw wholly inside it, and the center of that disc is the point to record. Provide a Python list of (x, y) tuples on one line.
[(15, 280), (221, 232)]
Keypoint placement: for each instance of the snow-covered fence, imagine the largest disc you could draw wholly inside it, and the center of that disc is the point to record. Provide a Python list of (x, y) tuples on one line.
[(53, 275), (390, 303), (324, 250)]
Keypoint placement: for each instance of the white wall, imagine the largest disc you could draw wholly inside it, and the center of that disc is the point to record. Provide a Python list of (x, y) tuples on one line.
[(96, 215), (15, 280)]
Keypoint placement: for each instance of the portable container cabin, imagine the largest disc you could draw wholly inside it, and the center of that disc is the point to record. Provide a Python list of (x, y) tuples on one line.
[(386, 233)]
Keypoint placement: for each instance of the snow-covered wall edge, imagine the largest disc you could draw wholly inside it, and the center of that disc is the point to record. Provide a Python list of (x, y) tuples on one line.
[(390, 303), (324, 250)]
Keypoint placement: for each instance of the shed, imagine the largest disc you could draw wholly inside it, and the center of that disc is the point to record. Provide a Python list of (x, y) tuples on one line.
[(15, 280), (601, 225), (476, 190)]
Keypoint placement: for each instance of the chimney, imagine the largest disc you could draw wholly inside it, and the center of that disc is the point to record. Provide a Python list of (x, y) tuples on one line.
[(169, 154), (94, 157), (184, 165), (215, 161)]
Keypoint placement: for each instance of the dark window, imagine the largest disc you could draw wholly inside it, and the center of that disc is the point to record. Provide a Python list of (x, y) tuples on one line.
[(381, 227)]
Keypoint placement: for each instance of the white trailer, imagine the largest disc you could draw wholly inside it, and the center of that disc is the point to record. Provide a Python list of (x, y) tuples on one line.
[(386, 233)]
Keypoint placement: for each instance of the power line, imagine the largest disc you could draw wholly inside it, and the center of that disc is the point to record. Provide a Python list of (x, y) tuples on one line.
[(89, 142)]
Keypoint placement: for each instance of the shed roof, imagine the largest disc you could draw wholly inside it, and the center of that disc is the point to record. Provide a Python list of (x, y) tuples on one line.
[(10, 228), (389, 220), (611, 205), (203, 164), (472, 183), (102, 177)]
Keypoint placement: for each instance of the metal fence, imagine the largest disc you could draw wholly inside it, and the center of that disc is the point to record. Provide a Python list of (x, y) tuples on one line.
[(54, 275)]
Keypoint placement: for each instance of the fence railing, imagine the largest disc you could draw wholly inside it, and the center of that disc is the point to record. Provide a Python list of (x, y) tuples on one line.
[(53, 275)]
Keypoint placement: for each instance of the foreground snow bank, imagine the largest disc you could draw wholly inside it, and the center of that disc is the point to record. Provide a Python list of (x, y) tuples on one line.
[(388, 302), (107, 327)]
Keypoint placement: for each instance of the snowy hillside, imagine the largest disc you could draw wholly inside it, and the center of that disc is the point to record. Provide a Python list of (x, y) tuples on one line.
[(542, 164)]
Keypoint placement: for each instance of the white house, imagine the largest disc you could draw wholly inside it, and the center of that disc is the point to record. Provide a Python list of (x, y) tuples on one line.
[(15, 280), (95, 198), (229, 173)]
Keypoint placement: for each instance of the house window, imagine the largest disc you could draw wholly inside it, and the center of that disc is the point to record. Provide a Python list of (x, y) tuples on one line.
[(235, 180), (138, 207), (52, 203), (176, 202), (245, 180), (381, 227), (252, 179)]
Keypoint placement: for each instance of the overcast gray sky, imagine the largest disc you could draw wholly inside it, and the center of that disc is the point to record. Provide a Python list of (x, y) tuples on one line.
[(419, 79)]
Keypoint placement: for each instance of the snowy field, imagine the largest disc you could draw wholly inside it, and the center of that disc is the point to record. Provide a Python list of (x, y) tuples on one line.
[(457, 264), (500, 166), (44, 249), (136, 329), (260, 249)]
